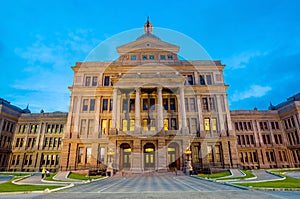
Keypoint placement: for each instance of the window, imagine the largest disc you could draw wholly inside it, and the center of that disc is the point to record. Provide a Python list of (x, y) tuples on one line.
[(204, 104), (124, 125), (217, 153), (208, 80), (172, 104), (186, 103), (80, 155), (163, 57), (152, 125), (170, 57), (104, 104), (87, 81), (92, 104), (152, 104), (214, 124), (145, 104), (106, 81), (190, 79), (95, 81), (104, 127), (151, 57), (192, 104), (131, 104), (173, 124), (110, 104), (83, 127), (202, 80), (209, 154), (166, 124), (165, 103), (206, 124), (145, 124), (144, 57), (212, 104), (91, 127), (193, 125), (85, 105), (131, 128), (133, 57), (88, 154), (125, 105)]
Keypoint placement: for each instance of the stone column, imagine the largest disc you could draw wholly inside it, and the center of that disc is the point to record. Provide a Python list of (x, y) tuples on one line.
[(200, 116), (160, 119), (114, 112), (196, 77), (137, 118), (97, 118), (184, 128), (221, 116)]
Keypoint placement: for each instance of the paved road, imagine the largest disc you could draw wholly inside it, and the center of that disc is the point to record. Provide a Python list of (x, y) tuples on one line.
[(156, 187), (262, 175)]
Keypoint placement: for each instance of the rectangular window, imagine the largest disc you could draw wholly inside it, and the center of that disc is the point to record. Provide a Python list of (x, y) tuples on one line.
[(125, 105), (95, 81), (88, 154), (192, 104), (102, 152), (85, 105), (106, 81), (145, 124), (124, 125), (186, 103), (212, 104), (133, 57), (173, 124), (104, 127), (208, 80), (152, 104), (91, 127), (193, 125), (166, 124), (80, 155), (172, 104), (83, 127), (152, 125), (209, 154), (202, 80), (170, 57), (151, 57), (104, 104), (110, 104), (131, 125), (144, 57), (92, 104), (145, 104), (131, 104), (165, 103), (162, 57), (206, 124), (87, 81), (217, 153), (190, 79), (204, 104), (214, 124)]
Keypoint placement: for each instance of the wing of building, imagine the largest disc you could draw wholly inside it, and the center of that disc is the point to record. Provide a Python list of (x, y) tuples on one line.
[(149, 110)]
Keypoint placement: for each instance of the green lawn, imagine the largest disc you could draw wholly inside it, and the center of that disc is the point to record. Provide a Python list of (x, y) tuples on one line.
[(10, 187), (82, 177), (215, 175), (50, 177), (289, 182)]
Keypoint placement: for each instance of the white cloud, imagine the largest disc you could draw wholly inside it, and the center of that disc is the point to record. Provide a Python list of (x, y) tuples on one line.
[(241, 60), (254, 91)]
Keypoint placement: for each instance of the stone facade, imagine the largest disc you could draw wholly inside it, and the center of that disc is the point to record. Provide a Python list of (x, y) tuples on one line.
[(148, 110)]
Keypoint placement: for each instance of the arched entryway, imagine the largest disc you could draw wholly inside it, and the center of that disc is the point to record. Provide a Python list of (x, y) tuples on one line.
[(125, 160), (149, 156), (173, 155)]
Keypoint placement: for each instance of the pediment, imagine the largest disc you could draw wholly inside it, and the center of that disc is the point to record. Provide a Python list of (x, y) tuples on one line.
[(147, 43)]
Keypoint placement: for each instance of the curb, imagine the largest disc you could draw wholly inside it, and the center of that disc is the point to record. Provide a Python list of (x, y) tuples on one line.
[(274, 189)]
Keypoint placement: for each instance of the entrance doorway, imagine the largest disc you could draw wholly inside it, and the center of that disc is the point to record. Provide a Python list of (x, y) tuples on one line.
[(149, 156), (125, 156), (173, 155)]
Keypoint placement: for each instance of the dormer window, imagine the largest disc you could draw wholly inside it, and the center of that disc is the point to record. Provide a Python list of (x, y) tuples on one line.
[(170, 57), (144, 57), (133, 57), (151, 57), (163, 57)]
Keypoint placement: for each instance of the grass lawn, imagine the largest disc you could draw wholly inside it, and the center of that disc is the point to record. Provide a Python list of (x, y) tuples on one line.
[(215, 175), (10, 187), (50, 177), (289, 182), (82, 177)]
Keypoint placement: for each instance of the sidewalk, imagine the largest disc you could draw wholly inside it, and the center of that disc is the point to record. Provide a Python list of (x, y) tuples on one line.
[(5, 179), (262, 176), (36, 179)]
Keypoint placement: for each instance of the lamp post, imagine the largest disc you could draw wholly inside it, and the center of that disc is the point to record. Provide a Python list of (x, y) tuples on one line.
[(110, 169), (188, 168)]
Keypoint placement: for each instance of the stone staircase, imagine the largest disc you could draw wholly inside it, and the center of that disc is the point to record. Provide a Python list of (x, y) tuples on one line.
[(148, 173)]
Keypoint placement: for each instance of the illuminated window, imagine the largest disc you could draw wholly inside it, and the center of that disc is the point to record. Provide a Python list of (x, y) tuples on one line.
[(145, 124), (166, 124), (209, 154), (131, 125), (206, 124), (152, 125), (217, 153), (214, 124), (124, 125), (104, 127)]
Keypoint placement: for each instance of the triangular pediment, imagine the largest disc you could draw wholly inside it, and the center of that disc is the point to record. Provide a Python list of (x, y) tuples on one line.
[(147, 43)]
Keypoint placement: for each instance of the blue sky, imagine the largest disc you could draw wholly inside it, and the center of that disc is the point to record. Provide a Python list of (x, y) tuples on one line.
[(259, 41)]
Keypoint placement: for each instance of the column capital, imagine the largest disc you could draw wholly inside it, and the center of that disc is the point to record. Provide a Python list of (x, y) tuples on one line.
[(138, 89)]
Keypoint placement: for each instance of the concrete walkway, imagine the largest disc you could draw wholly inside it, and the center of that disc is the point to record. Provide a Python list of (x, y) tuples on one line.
[(262, 176), (294, 174), (235, 173), (36, 179), (63, 175)]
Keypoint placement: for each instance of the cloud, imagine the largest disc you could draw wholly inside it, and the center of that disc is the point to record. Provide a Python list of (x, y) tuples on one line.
[(242, 60), (255, 91)]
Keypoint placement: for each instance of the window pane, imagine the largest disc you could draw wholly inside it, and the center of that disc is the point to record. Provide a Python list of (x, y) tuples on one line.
[(163, 57), (165, 103), (145, 104), (214, 124), (208, 80), (95, 81), (170, 57), (124, 125), (166, 124), (131, 125), (106, 80), (172, 104), (85, 105), (87, 81), (92, 104), (104, 127), (105, 104), (206, 124), (144, 57), (133, 57), (151, 57)]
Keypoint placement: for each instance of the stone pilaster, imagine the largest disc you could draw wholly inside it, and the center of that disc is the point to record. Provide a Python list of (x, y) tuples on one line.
[(137, 156), (137, 117), (162, 155)]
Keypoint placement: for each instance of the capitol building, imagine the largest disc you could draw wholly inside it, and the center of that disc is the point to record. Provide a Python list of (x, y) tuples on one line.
[(148, 110)]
